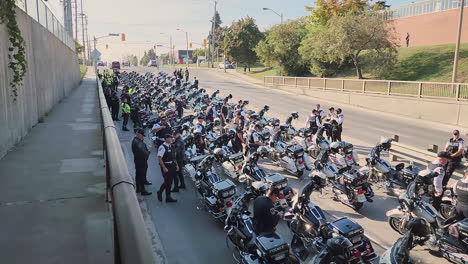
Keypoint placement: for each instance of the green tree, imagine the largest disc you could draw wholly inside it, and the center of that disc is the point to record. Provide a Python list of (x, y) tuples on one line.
[(145, 59), (152, 54), (324, 10), (78, 47), (365, 39), (199, 52), (281, 46), (240, 41)]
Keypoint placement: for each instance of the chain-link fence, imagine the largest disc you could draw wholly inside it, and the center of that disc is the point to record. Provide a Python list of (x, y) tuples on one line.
[(458, 91), (39, 11), (420, 8)]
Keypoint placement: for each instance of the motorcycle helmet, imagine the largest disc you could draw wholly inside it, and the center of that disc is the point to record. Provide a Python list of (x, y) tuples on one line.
[(386, 143), (231, 132), (245, 102), (266, 108), (418, 227), (219, 153), (263, 151), (217, 121), (295, 115), (275, 122), (254, 116), (335, 147), (340, 247)]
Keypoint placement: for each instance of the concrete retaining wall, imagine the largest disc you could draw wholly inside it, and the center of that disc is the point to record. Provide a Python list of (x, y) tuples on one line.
[(53, 71), (436, 110)]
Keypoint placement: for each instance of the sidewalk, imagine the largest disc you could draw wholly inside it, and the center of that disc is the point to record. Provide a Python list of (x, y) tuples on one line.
[(52, 194)]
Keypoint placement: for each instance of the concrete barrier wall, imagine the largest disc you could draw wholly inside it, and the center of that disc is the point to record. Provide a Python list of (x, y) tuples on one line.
[(436, 110), (53, 71)]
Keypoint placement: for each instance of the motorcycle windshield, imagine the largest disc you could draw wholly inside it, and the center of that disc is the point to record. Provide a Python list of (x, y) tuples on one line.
[(401, 249)]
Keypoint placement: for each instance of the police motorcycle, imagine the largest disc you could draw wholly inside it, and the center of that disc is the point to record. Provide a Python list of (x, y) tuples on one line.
[(394, 179), (256, 180), (414, 202), (292, 131), (216, 194), (289, 156), (349, 187), (311, 230), (304, 138), (251, 248), (451, 241), (319, 142), (231, 163)]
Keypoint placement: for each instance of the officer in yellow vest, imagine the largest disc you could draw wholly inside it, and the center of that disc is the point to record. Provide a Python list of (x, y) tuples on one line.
[(125, 113)]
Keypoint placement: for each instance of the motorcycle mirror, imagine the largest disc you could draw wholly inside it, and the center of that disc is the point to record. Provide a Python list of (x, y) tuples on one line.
[(288, 217), (243, 179)]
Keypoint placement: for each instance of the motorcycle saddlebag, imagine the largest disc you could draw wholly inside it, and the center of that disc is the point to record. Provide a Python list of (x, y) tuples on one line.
[(349, 229), (272, 247)]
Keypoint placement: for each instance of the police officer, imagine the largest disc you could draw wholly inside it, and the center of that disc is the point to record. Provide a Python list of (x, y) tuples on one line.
[(212, 113), (187, 74), (160, 129), (179, 148), (254, 139), (140, 157), (454, 147), (125, 113), (438, 167), (169, 167), (224, 114), (266, 217), (339, 125), (115, 106), (320, 112), (195, 82), (313, 122), (200, 128), (461, 190), (180, 103)]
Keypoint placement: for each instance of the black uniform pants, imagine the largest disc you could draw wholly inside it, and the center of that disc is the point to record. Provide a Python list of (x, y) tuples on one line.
[(115, 111), (451, 167), (148, 105), (180, 112), (462, 210), (125, 120), (168, 178), (179, 179), (337, 134), (140, 176)]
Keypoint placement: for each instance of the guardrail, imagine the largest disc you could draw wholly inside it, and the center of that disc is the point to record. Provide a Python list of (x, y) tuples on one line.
[(451, 91), (418, 156), (132, 238), (39, 11)]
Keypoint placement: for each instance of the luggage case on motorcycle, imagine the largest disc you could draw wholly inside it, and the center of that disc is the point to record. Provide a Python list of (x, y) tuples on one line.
[(296, 151), (224, 189), (349, 229), (272, 248)]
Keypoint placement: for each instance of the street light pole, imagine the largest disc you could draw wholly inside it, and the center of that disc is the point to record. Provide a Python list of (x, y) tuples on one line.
[(278, 14), (457, 47)]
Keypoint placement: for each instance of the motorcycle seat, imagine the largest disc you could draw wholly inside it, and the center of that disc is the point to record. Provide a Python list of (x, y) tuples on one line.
[(197, 159)]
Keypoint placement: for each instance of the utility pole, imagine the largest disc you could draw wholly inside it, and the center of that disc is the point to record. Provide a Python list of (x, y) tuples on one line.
[(76, 20), (82, 31), (457, 47), (87, 37), (213, 34), (186, 39)]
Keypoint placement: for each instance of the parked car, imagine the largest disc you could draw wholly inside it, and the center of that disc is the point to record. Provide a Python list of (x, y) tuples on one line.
[(115, 65), (126, 64), (226, 65), (153, 63), (101, 63)]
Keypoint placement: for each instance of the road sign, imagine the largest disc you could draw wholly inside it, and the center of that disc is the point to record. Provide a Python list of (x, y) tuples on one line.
[(95, 54), (114, 35)]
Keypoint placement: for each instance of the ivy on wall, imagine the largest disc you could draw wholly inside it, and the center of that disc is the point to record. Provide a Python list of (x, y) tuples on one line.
[(16, 51)]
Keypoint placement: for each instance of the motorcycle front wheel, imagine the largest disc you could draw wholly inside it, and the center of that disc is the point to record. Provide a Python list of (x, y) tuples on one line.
[(357, 205), (397, 225)]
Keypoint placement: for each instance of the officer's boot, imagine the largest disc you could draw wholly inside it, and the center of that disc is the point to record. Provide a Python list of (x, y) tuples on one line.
[(169, 199)]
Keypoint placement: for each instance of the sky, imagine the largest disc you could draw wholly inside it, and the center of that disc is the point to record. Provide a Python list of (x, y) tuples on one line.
[(149, 22)]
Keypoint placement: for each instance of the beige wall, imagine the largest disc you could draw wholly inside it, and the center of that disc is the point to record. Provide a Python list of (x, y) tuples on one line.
[(432, 29), (52, 72)]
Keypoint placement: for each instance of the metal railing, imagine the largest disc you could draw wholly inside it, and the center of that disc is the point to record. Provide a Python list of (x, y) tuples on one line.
[(132, 241), (39, 11), (452, 91), (418, 156), (420, 8)]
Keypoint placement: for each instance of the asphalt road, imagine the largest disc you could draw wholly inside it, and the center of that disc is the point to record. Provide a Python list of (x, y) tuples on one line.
[(190, 235)]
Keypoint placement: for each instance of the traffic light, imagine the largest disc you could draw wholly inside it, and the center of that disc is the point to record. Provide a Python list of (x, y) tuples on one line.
[(107, 46), (204, 43), (190, 44), (123, 36)]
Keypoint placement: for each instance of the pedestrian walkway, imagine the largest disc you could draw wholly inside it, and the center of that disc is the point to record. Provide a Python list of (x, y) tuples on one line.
[(52, 190)]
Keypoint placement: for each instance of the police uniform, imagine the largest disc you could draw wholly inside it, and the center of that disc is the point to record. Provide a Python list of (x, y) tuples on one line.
[(453, 145), (161, 133), (140, 157), (167, 154), (254, 137), (179, 148), (438, 168), (339, 128), (200, 128), (461, 190), (266, 217), (313, 122), (125, 113)]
